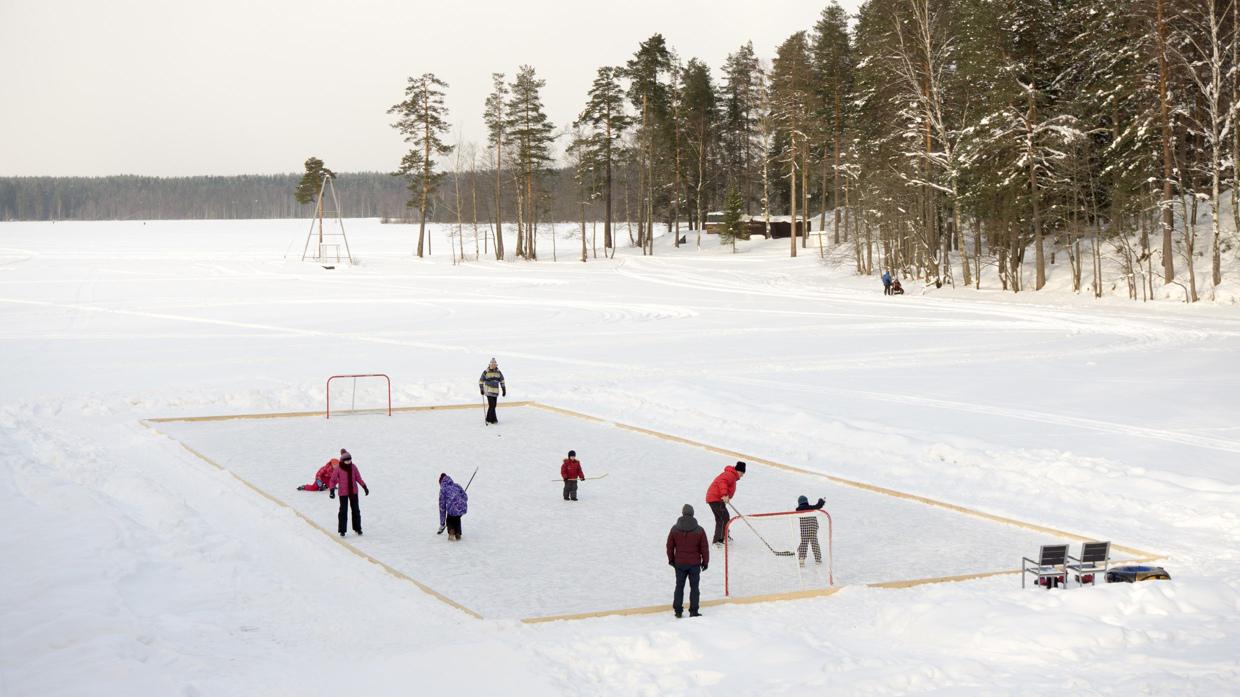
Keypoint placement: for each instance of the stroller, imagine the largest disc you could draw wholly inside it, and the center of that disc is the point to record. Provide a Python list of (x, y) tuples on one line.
[(896, 288)]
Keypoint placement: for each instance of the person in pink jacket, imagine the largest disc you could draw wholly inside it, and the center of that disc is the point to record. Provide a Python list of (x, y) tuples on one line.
[(348, 479)]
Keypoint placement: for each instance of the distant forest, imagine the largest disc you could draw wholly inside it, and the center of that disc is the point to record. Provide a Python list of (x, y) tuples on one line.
[(130, 197)]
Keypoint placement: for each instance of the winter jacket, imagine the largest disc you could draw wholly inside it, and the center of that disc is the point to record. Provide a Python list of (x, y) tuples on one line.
[(886, 278), (724, 485), (816, 507), (492, 383), (571, 469), (453, 500), (324, 474), (687, 543), (341, 478), (322, 477)]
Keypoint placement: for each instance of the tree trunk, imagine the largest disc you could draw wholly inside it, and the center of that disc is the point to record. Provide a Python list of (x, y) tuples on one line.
[(792, 191), (1168, 223)]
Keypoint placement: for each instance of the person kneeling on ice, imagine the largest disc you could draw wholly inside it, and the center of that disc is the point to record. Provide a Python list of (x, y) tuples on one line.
[(323, 476), (453, 503), (571, 472), (348, 479), (688, 553), (809, 529), (721, 491)]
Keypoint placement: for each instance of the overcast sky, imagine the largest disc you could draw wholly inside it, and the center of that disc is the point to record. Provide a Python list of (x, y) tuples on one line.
[(169, 88)]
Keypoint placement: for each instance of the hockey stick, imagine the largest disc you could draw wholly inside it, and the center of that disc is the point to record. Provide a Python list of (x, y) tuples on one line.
[(583, 480), (760, 537)]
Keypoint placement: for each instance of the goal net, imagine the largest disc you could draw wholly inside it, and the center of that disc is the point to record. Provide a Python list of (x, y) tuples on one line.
[(359, 394), (778, 553)]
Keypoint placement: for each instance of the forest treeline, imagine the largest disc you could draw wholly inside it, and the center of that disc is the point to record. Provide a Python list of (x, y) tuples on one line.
[(129, 197), (930, 137)]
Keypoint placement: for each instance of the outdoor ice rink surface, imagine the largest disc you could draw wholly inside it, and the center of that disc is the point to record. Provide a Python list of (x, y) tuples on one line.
[(528, 553)]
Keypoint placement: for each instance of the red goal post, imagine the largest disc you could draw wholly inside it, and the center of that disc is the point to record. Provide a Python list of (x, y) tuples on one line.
[(767, 553), (387, 379)]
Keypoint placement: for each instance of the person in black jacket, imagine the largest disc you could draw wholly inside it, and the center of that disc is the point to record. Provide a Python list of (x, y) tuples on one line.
[(809, 530), (689, 553)]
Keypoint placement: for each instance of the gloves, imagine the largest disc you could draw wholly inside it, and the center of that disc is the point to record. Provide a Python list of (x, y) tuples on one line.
[(441, 528), (366, 490), (704, 566), (505, 393), (672, 564), (481, 392), (332, 494)]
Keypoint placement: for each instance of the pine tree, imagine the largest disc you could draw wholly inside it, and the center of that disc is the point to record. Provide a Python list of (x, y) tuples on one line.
[(494, 116), (792, 97), (699, 121), (648, 72), (833, 67), (740, 97), (733, 227), (604, 113), (530, 133), (423, 122), (308, 188)]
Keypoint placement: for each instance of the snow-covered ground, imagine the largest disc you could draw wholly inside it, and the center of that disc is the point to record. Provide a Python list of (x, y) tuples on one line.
[(133, 567)]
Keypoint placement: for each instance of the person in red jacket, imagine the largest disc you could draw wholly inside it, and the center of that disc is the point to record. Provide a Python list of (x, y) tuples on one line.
[(688, 553), (570, 472), (721, 491), (348, 479), (323, 476)]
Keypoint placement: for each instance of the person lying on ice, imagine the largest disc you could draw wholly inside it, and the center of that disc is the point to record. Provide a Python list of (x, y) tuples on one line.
[(809, 529), (721, 491), (571, 472), (453, 503), (323, 476), (348, 479)]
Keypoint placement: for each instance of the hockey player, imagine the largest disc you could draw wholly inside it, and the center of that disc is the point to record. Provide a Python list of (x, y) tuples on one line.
[(491, 385), (721, 491), (453, 503), (571, 473), (688, 553), (348, 479), (809, 529)]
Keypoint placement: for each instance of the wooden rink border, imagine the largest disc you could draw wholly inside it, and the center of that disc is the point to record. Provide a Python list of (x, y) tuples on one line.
[(1138, 555)]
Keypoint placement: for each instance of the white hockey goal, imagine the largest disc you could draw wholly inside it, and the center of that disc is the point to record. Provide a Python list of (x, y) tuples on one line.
[(779, 552), (369, 393)]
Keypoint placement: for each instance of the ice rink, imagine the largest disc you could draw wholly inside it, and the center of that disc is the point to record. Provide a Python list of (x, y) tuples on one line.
[(528, 553)]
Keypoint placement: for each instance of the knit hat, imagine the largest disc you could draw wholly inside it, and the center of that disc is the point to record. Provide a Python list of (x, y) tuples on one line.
[(572, 453), (802, 501), (740, 466), (345, 456), (687, 510)]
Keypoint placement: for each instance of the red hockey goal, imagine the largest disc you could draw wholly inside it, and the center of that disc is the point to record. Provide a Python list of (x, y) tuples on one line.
[(778, 553), (371, 394)]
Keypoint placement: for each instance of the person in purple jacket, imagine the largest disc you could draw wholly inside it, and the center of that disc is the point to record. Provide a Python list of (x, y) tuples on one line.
[(453, 503), (348, 479)]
